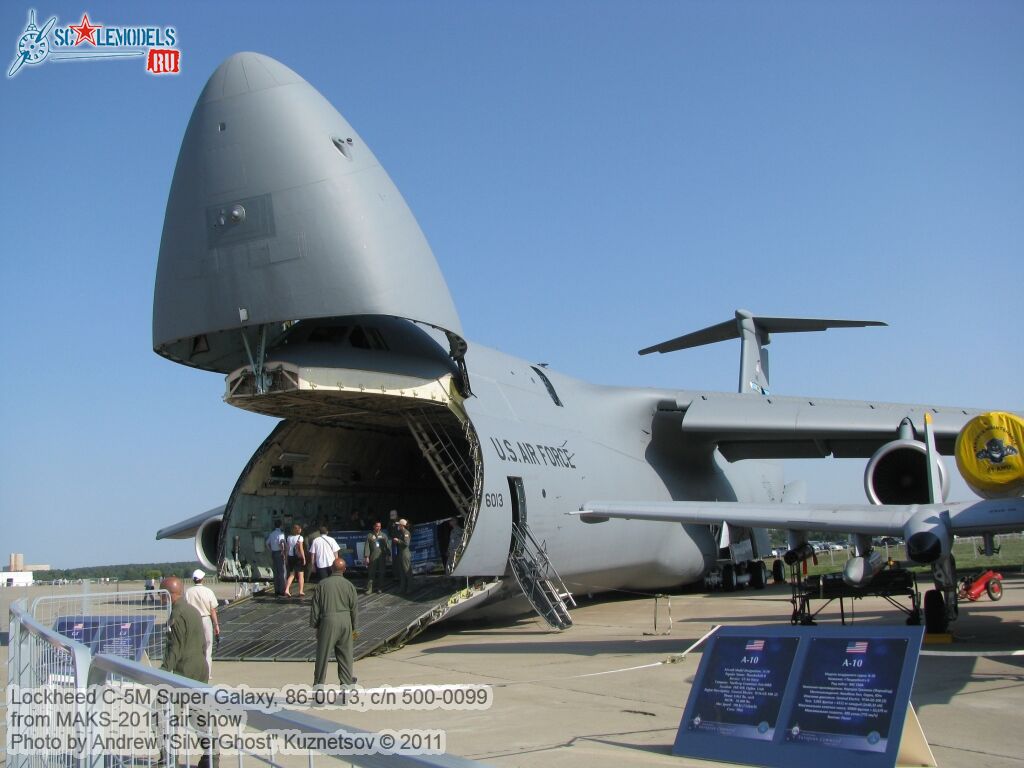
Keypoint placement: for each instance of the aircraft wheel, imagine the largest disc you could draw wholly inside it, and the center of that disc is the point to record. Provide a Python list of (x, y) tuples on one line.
[(778, 571), (935, 621), (994, 589), (759, 575), (728, 578)]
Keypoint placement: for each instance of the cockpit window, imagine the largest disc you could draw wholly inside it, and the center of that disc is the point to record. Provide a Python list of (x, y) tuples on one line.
[(357, 336), (330, 334), (376, 339)]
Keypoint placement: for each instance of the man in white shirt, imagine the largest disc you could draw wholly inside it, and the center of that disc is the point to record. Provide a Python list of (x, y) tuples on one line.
[(203, 600), (276, 545), (323, 550)]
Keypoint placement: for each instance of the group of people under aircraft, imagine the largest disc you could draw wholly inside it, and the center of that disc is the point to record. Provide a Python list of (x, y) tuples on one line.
[(296, 558), (193, 626)]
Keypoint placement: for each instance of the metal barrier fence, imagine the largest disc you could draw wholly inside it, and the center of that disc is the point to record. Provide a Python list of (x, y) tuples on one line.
[(131, 624), (60, 691), (38, 657)]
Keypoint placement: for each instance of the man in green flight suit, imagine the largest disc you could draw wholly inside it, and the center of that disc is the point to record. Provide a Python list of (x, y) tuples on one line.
[(376, 550), (334, 613), (185, 654), (402, 540)]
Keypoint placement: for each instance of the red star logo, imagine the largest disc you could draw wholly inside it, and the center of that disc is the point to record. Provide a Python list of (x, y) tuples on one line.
[(86, 32)]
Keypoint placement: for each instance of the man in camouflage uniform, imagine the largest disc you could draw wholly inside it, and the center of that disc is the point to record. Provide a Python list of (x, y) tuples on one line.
[(334, 614)]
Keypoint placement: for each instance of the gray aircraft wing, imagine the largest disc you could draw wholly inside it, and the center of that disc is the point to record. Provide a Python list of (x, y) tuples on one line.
[(186, 529), (966, 518)]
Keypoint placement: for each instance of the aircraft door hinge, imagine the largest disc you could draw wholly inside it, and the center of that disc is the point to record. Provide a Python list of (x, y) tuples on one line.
[(457, 351)]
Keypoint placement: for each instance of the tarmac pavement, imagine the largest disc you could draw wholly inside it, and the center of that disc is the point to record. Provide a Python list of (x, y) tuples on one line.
[(603, 693), (599, 694)]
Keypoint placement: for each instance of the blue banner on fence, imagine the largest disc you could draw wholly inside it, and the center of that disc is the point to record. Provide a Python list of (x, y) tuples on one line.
[(125, 636)]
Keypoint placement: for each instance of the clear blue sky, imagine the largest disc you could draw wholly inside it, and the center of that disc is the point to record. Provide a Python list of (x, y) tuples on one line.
[(593, 177)]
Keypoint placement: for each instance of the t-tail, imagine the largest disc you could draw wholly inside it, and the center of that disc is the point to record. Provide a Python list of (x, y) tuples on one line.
[(754, 333)]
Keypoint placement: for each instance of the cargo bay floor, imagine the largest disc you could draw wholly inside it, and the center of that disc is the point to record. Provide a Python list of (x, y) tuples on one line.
[(546, 712)]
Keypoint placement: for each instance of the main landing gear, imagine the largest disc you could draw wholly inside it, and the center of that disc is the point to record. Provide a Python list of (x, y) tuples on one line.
[(729, 577)]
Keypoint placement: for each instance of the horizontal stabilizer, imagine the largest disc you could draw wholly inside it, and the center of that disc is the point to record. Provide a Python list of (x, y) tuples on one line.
[(730, 329), (754, 332)]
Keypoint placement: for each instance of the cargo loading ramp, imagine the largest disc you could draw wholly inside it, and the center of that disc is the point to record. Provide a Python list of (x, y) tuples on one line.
[(268, 628)]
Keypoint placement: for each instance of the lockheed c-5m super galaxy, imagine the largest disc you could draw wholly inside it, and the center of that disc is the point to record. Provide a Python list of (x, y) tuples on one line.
[(291, 264)]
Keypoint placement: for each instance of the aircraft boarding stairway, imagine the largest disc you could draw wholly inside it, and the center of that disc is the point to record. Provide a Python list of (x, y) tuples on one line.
[(538, 579), (267, 628)]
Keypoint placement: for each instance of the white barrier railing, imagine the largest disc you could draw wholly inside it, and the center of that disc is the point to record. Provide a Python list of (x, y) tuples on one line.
[(123, 713), (38, 657)]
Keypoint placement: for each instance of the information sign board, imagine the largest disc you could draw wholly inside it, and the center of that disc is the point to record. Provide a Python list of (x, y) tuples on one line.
[(125, 636), (793, 696), (353, 544), (81, 629), (424, 550)]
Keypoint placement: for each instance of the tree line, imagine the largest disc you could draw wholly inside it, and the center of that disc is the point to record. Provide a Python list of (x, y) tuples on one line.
[(128, 572)]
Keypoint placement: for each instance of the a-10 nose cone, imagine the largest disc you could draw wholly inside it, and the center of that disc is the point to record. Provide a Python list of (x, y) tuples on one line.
[(279, 212)]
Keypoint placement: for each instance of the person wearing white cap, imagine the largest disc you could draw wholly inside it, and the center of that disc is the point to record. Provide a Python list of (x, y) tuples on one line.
[(203, 600)]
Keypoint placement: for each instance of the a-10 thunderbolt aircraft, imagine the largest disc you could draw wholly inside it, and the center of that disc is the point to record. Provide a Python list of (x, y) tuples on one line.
[(988, 454), (291, 263)]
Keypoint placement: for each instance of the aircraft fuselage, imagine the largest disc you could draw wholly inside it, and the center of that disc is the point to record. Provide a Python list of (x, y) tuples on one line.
[(529, 444)]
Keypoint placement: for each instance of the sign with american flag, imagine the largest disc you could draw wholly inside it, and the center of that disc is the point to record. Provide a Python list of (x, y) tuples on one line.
[(780, 697)]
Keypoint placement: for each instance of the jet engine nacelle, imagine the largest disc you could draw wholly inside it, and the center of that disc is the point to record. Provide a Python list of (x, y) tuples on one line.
[(928, 537), (898, 474), (206, 539)]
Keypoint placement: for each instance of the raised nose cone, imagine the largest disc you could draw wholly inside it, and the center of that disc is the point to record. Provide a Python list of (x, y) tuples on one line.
[(247, 73), (279, 212)]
